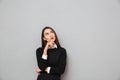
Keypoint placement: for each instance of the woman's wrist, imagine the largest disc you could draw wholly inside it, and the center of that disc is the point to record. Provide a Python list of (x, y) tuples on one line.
[(45, 52)]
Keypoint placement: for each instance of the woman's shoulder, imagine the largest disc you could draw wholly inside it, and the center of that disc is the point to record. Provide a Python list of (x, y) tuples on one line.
[(62, 49), (39, 49)]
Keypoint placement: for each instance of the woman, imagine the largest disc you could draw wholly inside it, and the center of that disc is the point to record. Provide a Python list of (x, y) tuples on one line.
[(51, 57)]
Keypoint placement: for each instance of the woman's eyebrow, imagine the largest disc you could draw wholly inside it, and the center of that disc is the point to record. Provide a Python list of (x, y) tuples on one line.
[(51, 31)]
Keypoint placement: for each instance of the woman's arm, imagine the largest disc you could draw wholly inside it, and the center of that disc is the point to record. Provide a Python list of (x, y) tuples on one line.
[(42, 56), (42, 63)]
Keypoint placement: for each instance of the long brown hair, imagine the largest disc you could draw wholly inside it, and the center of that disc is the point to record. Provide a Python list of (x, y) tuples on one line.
[(44, 42)]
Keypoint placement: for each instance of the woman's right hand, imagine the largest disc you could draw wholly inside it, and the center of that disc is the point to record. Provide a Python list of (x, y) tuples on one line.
[(46, 48), (49, 44)]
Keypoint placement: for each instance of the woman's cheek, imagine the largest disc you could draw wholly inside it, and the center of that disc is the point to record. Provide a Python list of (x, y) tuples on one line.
[(48, 39), (53, 39)]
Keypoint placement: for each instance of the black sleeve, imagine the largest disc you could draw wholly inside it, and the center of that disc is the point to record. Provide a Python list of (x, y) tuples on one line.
[(61, 65), (42, 63)]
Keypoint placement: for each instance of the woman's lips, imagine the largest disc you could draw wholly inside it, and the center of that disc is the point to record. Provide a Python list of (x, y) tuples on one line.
[(52, 38)]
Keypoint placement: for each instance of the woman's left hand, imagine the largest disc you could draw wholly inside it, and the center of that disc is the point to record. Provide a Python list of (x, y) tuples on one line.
[(38, 70)]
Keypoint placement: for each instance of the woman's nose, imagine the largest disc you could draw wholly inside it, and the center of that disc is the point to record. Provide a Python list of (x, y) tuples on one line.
[(51, 35)]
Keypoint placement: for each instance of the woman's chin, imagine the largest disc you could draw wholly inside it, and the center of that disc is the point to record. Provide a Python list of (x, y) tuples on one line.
[(52, 40)]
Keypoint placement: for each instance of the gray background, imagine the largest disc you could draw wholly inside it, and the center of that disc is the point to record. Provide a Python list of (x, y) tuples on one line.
[(88, 29)]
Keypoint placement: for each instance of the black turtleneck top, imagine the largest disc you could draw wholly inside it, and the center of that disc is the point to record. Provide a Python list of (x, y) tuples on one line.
[(56, 59)]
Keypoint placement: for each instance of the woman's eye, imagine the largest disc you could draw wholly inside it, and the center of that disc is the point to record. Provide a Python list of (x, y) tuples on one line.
[(47, 34)]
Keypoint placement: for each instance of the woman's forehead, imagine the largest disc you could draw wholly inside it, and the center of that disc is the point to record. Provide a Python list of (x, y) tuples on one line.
[(47, 30)]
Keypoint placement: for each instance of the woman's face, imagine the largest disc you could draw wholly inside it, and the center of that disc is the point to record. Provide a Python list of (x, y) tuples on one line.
[(49, 35)]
